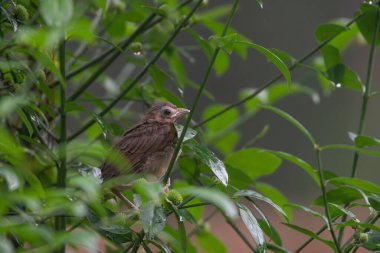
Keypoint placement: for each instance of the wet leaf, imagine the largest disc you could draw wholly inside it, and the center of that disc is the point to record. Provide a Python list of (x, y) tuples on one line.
[(212, 161), (153, 218), (190, 133), (256, 195), (253, 227)]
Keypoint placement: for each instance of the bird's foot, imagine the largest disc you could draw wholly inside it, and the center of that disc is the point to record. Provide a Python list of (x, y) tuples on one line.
[(126, 201), (166, 189)]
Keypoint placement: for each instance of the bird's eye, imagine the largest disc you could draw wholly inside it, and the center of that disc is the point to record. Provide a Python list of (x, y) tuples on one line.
[(167, 112)]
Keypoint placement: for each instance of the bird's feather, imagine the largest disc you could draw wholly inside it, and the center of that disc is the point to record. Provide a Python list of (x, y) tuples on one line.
[(139, 144)]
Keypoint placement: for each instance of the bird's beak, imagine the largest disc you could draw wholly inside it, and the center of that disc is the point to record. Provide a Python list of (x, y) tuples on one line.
[(180, 112)]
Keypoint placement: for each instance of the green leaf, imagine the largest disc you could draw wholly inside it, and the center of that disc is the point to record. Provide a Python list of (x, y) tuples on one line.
[(359, 183), (270, 231), (337, 72), (57, 12), (276, 196), (351, 148), (367, 23), (9, 104), (221, 64), (300, 163), (253, 227), (153, 218), (256, 195), (102, 4), (271, 57), (226, 42), (327, 31), (80, 30), (254, 162), (218, 124), (215, 197), (210, 243), (284, 56), (212, 161), (261, 4), (340, 196), (345, 38), (10, 177), (362, 141), (310, 234), (338, 210), (292, 120)]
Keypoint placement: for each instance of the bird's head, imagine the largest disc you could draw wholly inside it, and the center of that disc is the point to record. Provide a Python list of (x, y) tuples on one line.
[(165, 112)]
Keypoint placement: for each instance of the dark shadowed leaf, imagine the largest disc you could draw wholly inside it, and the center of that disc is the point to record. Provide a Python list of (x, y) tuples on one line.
[(374, 200), (367, 23)]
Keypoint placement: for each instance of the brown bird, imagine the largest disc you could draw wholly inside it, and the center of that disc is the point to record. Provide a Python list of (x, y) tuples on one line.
[(148, 146)]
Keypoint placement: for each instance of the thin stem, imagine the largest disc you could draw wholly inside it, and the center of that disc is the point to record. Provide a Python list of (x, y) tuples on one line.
[(367, 90), (141, 74), (101, 57), (274, 80), (325, 201), (108, 62), (199, 93), (363, 112), (308, 241), (60, 222), (245, 240)]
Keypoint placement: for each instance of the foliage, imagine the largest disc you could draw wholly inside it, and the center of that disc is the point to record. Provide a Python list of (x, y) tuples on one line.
[(60, 106)]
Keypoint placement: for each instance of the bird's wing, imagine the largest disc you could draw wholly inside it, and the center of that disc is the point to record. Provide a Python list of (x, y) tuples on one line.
[(141, 141)]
